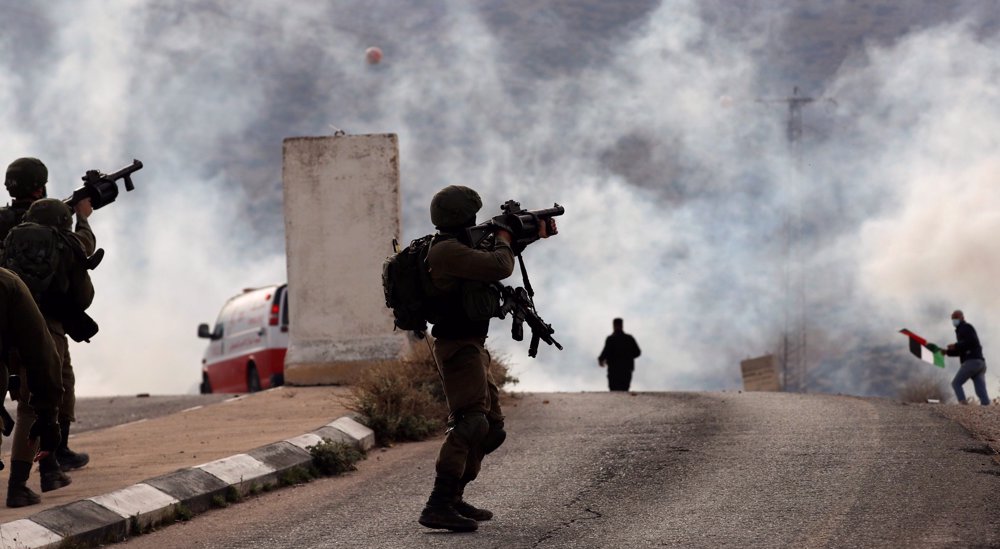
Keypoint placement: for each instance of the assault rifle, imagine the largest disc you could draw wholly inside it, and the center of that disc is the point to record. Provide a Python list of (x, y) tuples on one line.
[(523, 226), (520, 223), (102, 188), (518, 302)]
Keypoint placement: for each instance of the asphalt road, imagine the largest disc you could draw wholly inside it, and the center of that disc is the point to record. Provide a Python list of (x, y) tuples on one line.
[(101, 412), (657, 470)]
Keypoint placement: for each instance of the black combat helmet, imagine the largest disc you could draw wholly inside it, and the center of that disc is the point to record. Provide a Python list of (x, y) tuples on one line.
[(52, 212), (25, 176), (455, 206)]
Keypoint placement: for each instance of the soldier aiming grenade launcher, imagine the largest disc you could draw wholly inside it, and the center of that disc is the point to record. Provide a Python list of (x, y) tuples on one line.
[(102, 189), (520, 223)]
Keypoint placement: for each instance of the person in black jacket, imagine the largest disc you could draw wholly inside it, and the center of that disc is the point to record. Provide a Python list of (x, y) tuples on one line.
[(970, 354), (619, 354)]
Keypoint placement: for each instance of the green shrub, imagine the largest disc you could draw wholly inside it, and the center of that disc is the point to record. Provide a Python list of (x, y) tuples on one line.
[(404, 400), (297, 475), (182, 513), (332, 458)]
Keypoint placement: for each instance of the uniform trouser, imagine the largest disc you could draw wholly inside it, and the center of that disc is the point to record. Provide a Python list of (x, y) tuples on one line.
[(974, 369), (469, 389), (21, 447), (619, 379), (67, 406)]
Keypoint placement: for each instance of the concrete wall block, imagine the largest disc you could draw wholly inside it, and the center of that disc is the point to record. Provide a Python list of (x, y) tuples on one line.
[(362, 435), (84, 521), (336, 435), (25, 533), (238, 469), (192, 487), (147, 505), (342, 211)]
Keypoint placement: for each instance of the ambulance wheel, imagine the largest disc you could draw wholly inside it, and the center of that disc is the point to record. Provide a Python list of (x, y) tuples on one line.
[(253, 380), (277, 380)]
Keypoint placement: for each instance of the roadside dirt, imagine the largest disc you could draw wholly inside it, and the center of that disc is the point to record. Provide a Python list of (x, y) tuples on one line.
[(130, 453), (982, 421)]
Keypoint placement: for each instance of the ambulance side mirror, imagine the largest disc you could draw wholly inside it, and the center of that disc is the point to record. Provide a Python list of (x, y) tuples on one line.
[(204, 332)]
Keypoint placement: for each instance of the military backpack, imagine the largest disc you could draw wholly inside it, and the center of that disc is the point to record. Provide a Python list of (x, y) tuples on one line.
[(37, 254), (54, 266), (406, 281)]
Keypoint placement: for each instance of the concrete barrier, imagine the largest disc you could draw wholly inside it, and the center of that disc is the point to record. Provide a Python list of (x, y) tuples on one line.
[(113, 517), (342, 211)]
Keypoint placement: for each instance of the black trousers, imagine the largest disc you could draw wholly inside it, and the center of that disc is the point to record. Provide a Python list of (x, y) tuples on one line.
[(619, 379)]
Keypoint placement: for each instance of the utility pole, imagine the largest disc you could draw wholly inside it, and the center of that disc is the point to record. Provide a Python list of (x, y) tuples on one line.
[(794, 360)]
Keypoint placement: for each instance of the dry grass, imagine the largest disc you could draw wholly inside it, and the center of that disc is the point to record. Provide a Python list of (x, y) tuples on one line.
[(922, 389), (404, 400)]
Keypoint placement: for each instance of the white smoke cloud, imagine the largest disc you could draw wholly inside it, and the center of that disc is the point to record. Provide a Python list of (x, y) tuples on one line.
[(684, 211)]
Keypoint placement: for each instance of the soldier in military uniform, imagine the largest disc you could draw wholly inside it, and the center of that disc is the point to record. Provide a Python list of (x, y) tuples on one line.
[(24, 335), (463, 276), (25, 181)]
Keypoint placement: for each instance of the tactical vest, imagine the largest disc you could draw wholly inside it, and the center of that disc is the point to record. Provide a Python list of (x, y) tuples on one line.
[(466, 310)]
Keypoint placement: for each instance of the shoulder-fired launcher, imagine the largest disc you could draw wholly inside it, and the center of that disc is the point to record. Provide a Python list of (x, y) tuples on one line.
[(520, 223), (101, 188)]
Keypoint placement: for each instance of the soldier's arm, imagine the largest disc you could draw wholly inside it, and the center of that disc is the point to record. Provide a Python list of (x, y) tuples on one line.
[(34, 345), (458, 260), (86, 235)]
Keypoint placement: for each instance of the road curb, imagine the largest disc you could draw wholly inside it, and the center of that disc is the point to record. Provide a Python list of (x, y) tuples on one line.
[(134, 509)]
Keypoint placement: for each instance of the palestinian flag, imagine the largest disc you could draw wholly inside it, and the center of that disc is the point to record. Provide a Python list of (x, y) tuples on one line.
[(918, 346)]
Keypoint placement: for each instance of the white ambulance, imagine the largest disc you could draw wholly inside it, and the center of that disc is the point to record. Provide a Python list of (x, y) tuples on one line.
[(246, 350)]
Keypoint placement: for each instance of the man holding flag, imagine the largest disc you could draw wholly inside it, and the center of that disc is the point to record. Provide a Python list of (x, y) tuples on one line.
[(970, 354)]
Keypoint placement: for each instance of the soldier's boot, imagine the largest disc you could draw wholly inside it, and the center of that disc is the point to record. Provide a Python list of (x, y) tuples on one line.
[(51, 476), (468, 510), (18, 493), (68, 459), (440, 513)]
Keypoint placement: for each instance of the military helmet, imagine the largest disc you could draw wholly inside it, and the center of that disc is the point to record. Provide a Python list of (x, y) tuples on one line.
[(52, 212), (455, 206), (25, 176)]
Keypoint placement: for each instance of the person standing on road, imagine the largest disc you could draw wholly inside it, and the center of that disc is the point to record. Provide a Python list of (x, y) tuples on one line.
[(970, 355), (619, 354), (25, 340), (463, 277)]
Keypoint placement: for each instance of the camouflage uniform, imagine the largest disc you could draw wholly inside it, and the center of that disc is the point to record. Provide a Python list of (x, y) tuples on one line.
[(27, 342), (24, 177), (460, 350), (463, 275), (13, 215)]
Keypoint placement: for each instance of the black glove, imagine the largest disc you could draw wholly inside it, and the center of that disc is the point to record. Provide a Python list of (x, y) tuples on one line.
[(46, 430)]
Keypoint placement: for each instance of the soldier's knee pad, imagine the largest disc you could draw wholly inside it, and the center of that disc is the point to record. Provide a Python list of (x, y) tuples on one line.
[(494, 438), (472, 428)]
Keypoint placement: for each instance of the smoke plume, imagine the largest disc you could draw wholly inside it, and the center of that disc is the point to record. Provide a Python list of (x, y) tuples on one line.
[(660, 126)]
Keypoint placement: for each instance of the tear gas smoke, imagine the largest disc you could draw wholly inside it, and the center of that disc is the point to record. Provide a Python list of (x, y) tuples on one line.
[(688, 214)]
